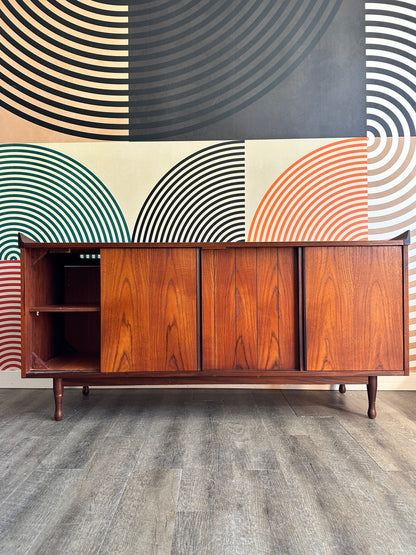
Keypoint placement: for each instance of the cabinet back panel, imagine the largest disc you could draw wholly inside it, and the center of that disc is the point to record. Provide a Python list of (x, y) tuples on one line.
[(148, 310), (82, 332), (82, 285), (354, 308)]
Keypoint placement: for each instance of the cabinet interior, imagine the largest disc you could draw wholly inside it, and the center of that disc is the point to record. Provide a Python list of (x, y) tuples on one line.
[(64, 310)]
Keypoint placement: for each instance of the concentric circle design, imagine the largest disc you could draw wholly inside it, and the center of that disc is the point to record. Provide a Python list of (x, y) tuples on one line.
[(321, 197), (391, 116), (51, 197), (64, 65), (150, 70), (392, 203), (10, 341), (193, 63), (391, 68), (200, 199), (391, 124), (392, 186)]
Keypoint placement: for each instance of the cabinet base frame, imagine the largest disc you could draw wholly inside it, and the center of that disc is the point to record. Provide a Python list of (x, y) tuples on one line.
[(105, 381)]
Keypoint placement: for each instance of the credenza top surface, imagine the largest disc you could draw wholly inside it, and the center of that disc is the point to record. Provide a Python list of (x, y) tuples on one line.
[(26, 242)]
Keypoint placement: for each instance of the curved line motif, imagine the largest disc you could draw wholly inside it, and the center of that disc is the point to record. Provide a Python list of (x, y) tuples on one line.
[(51, 197), (321, 197), (391, 117), (199, 199), (186, 54), (66, 69), (391, 68), (10, 341), (113, 71)]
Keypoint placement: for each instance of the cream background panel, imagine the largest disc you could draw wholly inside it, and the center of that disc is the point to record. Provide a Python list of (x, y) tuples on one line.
[(130, 170)]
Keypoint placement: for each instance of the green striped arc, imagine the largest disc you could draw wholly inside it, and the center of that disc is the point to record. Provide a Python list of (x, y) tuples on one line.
[(76, 179), (51, 197), (65, 162), (51, 208), (23, 200)]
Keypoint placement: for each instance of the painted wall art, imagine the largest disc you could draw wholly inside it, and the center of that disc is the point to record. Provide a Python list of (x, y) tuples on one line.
[(207, 120)]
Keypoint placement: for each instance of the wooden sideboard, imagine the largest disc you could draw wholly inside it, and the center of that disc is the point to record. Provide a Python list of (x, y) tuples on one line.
[(214, 313)]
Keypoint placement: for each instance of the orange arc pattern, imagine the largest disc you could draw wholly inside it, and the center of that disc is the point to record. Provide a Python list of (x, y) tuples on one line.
[(323, 196)]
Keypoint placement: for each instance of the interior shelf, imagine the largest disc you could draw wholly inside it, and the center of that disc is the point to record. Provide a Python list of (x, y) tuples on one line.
[(87, 362), (65, 308)]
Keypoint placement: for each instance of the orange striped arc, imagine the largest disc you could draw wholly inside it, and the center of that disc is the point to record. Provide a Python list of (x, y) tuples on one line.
[(322, 196)]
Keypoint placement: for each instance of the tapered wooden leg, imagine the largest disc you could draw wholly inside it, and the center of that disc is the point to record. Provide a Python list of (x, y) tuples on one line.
[(372, 392), (85, 390), (342, 388), (58, 390)]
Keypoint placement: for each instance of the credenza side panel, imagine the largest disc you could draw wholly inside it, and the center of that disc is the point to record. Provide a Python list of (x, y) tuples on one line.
[(354, 308), (148, 310), (249, 309)]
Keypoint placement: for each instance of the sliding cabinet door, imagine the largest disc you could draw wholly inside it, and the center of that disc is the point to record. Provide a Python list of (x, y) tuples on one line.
[(250, 309), (354, 308), (148, 310)]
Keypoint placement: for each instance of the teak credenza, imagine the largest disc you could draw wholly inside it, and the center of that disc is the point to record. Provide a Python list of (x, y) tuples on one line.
[(214, 313)]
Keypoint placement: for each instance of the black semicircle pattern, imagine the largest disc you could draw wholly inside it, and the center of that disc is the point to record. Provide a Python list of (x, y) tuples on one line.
[(199, 199)]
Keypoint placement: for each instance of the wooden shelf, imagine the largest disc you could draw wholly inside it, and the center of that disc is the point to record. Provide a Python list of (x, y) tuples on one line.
[(64, 308), (80, 362)]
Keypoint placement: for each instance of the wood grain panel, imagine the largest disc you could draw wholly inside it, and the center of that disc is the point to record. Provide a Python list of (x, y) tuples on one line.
[(124, 311), (172, 322), (43, 275), (246, 308), (277, 309), (208, 308), (268, 309), (148, 314), (250, 309), (225, 331), (354, 308), (218, 286), (288, 326)]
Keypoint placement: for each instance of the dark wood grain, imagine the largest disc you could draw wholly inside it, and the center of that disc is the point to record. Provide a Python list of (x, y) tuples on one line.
[(58, 290), (79, 362), (172, 295), (148, 311), (58, 390), (250, 309), (43, 276), (218, 309), (215, 313), (288, 330), (372, 392), (96, 247), (268, 309), (354, 308), (246, 338), (64, 308)]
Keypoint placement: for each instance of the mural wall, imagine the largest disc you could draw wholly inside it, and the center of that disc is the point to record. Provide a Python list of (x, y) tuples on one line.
[(207, 120)]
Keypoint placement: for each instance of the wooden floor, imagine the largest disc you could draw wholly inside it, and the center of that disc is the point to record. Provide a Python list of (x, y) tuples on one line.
[(207, 471)]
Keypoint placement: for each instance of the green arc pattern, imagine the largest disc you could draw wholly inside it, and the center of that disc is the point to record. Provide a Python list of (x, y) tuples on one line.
[(51, 197)]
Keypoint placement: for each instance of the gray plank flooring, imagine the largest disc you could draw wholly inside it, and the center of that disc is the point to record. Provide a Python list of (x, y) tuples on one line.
[(207, 471)]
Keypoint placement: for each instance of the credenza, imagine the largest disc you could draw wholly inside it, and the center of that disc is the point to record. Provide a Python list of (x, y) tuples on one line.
[(214, 313)]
